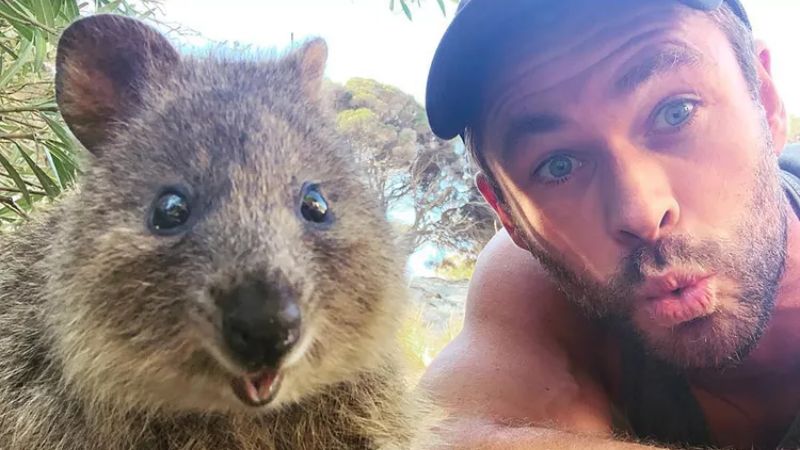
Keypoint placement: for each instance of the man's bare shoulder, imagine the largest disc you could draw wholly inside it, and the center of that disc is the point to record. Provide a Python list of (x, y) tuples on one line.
[(523, 352), (511, 288)]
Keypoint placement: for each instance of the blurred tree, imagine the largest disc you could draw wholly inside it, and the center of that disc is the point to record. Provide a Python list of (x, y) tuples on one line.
[(456, 267), (417, 174)]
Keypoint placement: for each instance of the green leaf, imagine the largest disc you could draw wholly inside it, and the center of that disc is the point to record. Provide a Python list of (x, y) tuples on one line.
[(24, 57), (58, 169), (21, 18), (149, 13), (441, 6), (55, 165), (110, 7), (58, 6), (8, 50), (47, 183), (40, 54), (59, 130), (62, 152), (24, 204), (391, 5), (45, 103), (17, 10), (71, 10), (43, 10), (12, 172), (9, 202), (17, 19), (63, 166), (406, 9)]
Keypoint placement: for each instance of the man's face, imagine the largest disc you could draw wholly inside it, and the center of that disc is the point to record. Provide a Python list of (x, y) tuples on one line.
[(636, 165)]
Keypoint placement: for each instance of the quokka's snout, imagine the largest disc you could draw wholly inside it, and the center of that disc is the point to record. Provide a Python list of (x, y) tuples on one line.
[(259, 324)]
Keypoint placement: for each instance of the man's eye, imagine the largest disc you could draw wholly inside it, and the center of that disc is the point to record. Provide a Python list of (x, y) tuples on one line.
[(556, 169), (674, 115)]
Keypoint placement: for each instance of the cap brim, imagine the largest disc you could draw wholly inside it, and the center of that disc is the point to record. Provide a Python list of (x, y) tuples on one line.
[(459, 64)]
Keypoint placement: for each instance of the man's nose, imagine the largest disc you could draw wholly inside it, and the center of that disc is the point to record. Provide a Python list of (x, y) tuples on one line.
[(642, 207)]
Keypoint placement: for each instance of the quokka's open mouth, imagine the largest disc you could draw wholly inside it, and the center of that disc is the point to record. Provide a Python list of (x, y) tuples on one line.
[(257, 389)]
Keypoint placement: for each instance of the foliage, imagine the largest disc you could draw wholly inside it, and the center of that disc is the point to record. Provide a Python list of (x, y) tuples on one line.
[(794, 129), (456, 267), (415, 173), (405, 6), (421, 343), (37, 152)]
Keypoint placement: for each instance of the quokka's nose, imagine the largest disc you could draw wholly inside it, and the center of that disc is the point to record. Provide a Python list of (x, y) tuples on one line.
[(260, 322)]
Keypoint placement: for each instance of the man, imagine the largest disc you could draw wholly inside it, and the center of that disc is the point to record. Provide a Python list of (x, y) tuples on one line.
[(637, 150)]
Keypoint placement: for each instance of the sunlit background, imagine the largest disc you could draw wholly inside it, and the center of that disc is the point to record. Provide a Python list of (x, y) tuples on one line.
[(368, 39)]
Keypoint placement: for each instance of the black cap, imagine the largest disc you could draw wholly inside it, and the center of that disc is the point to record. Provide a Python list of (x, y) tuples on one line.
[(460, 61)]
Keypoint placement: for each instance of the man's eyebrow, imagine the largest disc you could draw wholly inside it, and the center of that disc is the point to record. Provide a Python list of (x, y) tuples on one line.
[(528, 125), (665, 59)]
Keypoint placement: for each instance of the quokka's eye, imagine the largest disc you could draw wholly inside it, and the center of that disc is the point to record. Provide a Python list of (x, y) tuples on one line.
[(169, 213), (313, 206)]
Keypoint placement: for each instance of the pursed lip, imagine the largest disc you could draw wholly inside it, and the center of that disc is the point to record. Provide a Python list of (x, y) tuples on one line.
[(678, 297), (658, 287)]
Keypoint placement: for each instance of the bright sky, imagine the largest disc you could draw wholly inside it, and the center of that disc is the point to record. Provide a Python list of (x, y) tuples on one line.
[(366, 39)]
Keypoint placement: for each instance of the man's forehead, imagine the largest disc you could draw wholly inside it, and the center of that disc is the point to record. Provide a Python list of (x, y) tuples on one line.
[(574, 31), (653, 62), (647, 37)]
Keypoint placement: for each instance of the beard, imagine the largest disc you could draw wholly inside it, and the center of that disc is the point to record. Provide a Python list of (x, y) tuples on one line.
[(749, 265)]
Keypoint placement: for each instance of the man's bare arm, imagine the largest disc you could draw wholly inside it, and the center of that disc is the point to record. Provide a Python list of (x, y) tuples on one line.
[(475, 434), (519, 375)]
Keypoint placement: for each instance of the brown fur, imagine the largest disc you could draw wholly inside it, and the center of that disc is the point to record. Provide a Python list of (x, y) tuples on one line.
[(108, 339)]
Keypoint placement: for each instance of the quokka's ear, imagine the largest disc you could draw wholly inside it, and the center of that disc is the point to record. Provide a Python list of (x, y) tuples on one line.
[(102, 63), (312, 58)]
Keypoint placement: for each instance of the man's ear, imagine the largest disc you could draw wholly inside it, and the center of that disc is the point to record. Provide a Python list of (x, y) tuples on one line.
[(490, 194), (312, 58), (773, 104), (102, 64)]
